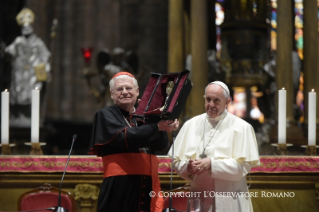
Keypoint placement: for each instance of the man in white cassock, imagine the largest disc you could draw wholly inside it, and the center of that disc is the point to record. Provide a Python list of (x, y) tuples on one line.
[(215, 151)]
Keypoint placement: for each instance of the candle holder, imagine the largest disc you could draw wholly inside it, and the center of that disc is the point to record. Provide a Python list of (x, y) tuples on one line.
[(35, 147), (281, 148), (6, 149), (311, 150)]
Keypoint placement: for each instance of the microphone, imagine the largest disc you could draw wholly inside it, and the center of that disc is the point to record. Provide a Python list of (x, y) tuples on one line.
[(170, 208), (59, 208)]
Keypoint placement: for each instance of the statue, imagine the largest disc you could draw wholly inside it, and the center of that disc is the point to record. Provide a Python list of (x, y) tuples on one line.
[(30, 69), (107, 65)]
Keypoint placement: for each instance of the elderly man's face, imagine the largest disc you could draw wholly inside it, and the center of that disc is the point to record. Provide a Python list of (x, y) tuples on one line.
[(124, 93), (215, 101)]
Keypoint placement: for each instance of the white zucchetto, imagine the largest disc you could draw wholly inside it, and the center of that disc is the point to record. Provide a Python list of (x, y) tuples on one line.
[(223, 85)]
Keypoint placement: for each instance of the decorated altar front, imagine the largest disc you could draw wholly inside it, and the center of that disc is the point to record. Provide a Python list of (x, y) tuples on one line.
[(296, 177), (92, 164)]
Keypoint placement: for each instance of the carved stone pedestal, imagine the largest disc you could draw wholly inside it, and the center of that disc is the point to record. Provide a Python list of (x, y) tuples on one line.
[(86, 195)]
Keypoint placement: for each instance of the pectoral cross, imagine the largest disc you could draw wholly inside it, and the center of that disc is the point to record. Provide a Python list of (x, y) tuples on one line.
[(203, 155)]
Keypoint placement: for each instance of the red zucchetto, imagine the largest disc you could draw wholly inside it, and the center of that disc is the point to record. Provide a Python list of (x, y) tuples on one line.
[(123, 73)]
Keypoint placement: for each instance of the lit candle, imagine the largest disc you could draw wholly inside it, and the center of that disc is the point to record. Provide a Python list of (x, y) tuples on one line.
[(5, 117), (35, 115), (312, 96), (282, 116)]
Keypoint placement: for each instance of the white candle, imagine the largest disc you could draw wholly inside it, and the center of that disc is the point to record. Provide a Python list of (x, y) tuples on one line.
[(282, 116), (5, 117), (35, 115), (312, 96)]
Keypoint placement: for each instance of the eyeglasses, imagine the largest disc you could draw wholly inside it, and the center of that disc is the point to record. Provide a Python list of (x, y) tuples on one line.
[(121, 89)]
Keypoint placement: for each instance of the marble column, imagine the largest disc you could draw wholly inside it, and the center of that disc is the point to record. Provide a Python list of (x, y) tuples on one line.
[(310, 52), (284, 53), (178, 45), (199, 46), (176, 58)]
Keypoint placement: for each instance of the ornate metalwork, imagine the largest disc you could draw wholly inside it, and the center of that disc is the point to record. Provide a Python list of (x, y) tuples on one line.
[(36, 149), (281, 149), (311, 150), (245, 47)]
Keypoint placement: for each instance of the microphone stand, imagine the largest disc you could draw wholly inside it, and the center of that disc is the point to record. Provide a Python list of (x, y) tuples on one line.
[(42, 209), (59, 208), (171, 209)]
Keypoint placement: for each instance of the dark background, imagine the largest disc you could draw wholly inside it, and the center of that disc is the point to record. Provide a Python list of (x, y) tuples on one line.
[(136, 25)]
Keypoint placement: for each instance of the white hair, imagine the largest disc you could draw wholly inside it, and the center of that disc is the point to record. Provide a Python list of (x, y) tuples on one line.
[(111, 83)]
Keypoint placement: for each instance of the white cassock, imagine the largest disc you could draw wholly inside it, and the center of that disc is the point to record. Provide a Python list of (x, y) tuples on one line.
[(230, 143)]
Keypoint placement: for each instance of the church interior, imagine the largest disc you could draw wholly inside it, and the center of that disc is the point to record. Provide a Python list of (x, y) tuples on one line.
[(259, 48)]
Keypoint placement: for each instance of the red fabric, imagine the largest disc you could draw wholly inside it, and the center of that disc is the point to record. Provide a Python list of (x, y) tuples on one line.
[(136, 164), (177, 92), (159, 96), (44, 200), (89, 164), (50, 164), (147, 95), (288, 164), (123, 73)]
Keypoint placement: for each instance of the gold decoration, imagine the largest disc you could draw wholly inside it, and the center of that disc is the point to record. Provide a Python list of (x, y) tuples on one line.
[(40, 72), (281, 149), (25, 17), (24, 163), (86, 195), (5, 149), (164, 165), (169, 88), (36, 149), (311, 150)]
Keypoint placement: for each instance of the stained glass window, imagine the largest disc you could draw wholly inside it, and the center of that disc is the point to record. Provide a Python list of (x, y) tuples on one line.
[(219, 10), (298, 25)]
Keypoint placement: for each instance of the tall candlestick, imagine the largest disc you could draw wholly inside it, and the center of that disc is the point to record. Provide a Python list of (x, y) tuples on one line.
[(312, 96), (5, 117), (282, 99), (35, 116)]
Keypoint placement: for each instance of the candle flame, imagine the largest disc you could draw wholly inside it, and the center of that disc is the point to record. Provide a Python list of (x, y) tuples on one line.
[(283, 88), (313, 90), (36, 88), (6, 90)]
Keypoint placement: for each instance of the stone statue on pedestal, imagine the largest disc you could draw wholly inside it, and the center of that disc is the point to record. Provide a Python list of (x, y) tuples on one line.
[(30, 69)]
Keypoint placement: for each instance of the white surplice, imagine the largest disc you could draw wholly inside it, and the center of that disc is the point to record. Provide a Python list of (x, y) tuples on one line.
[(231, 145)]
